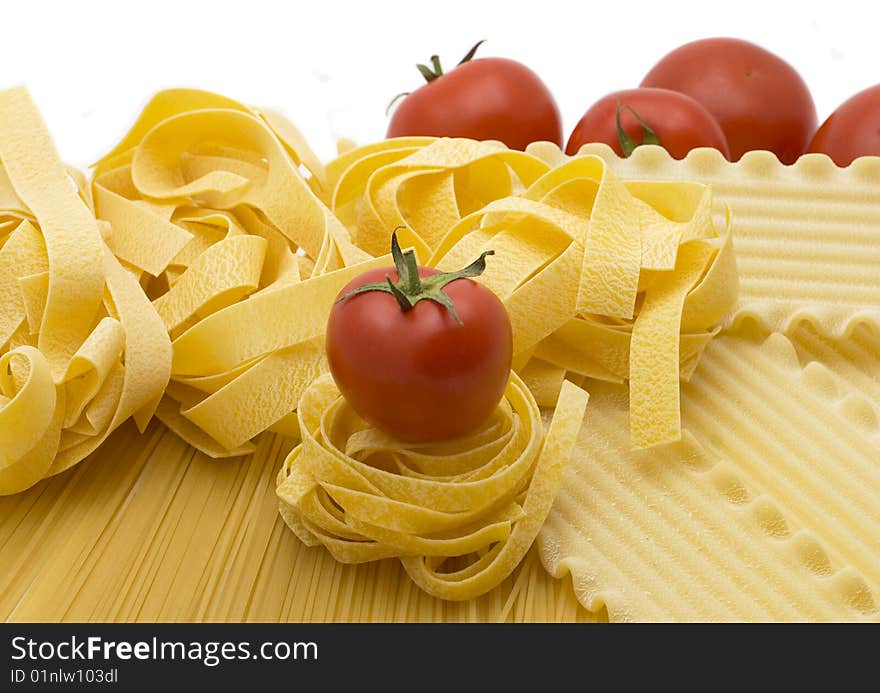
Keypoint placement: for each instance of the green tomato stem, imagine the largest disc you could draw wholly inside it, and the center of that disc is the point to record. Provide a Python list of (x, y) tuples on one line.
[(470, 54), (435, 63), (410, 288), (395, 100), (435, 71), (626, 143), (427, 72)]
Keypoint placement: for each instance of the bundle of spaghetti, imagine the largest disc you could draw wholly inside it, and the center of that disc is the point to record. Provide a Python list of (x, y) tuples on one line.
[(601, 278), (211, 210), (81, 349), (170, 535), (481, 499)]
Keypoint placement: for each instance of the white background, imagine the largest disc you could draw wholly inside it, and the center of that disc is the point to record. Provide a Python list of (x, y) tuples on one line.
[(333, 66)]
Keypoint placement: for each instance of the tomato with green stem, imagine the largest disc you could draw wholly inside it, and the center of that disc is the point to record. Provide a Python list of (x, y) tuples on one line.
[(483, 99), (625, 119), (421, 354)]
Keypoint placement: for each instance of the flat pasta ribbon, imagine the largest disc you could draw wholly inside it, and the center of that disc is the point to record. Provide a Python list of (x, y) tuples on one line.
[(81, 348), (422, 186), (476, 503), (216, 208)]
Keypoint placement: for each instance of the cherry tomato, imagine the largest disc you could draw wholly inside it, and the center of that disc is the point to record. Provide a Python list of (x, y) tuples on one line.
[(484, 99), (758, 99), (656, 116), (428, 373), (853, 130)]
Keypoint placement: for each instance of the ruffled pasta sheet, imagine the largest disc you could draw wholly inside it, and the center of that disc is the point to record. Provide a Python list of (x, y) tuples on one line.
[(81, 349), (805, 234), (766, 511), (212, 211), (481, 499), (602, 278)]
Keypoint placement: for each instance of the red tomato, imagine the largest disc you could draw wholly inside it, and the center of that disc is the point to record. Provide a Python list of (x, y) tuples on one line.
[(679, 123), (418, 373), (853, 130), (485, 99), (758, 99)]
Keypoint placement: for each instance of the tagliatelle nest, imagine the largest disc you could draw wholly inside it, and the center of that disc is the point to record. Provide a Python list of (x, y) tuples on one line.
[(81, 349), (209, 208), (366, 496), (602, 278)]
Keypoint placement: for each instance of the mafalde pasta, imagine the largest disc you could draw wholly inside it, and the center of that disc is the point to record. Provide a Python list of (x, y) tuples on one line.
[(213, 214), (855, 360), (366, 496), (81, 348)]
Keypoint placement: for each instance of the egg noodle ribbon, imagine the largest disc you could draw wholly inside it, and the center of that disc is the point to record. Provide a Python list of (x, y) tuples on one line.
[(241, 238)]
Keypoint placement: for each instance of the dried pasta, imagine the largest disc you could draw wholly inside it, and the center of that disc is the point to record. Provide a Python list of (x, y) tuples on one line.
[(210, 209), (805, 234), (202, 541), (764, 512), (213, 216), (81, 349), (602, 278), (365, 496)]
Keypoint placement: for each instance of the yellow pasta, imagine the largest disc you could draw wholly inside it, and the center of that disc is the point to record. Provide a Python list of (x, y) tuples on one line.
[(213, 227), (240, 257), (422, 185), (805, 234), (81, 349), (209, 209), (202, 541), (366, 496), (608, 279), (764, 511)]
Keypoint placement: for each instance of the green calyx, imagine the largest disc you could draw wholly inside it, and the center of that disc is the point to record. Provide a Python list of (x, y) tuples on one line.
[(626, 144), (435, 71), (410, 288)]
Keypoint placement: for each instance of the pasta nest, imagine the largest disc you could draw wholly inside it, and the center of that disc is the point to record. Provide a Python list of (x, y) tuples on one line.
[(460, 515), (81, 348)]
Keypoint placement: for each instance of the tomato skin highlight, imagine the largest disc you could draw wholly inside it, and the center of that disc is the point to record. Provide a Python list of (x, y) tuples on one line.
[(681, 124), (852, 130), (758, 99), (482, 99), (419, 374)]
